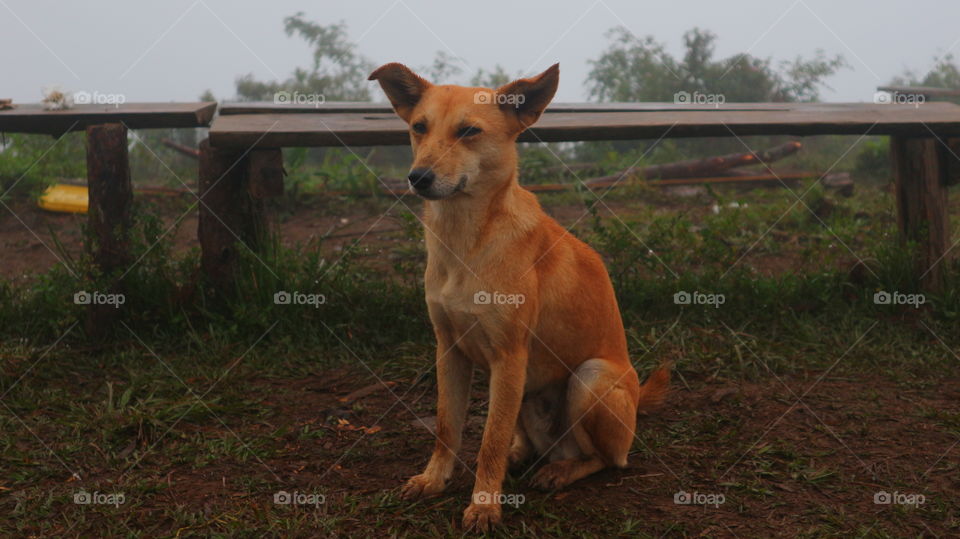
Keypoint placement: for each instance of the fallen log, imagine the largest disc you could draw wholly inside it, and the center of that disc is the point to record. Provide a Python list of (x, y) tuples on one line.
[(708, 166), (185, 150), (393, 185)]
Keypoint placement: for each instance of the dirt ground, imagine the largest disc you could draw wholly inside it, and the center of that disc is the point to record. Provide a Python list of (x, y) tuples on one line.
[(776, 465), (781, 465)]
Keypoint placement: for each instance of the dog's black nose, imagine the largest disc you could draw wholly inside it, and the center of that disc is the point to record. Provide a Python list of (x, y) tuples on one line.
[(421, 178)]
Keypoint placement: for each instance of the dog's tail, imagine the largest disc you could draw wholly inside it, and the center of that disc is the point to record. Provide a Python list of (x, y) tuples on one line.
[(655, 389)]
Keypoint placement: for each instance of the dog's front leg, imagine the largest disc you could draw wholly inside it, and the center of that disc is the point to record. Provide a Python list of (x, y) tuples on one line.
[(454, 371), (507, 379)]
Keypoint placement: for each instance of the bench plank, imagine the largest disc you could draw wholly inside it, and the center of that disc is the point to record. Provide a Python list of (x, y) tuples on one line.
[(366, 107), (32, 118), (276, 130)]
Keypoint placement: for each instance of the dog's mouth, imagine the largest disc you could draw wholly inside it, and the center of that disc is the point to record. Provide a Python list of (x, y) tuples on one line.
[(433, 193)]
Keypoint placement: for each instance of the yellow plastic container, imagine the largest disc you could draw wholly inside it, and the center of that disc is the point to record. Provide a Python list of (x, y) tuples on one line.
[(65, 198)]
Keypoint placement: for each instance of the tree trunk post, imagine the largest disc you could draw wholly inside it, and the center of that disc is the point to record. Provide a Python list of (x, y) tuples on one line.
[(231, 219), (920, 169), (110, 210)]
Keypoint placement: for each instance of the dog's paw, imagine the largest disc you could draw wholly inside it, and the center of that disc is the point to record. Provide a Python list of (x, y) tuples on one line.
[(481, 517), (421, 486), (552, 476)]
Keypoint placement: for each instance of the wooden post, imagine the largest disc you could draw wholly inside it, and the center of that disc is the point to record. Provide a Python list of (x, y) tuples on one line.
[(109, 212), (110, 195), (230, 219), (920, 169), (265, 173)]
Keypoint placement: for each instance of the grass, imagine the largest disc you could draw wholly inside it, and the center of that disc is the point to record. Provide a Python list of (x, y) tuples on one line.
[(199, 407)]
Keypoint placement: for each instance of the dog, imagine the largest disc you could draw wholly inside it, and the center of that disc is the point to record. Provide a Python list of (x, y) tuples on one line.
[(511, 292)]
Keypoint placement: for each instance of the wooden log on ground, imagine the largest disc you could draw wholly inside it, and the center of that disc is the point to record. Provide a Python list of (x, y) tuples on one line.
[(920, 173), (709, 166), (230, 219), (110, 214), (180, 148), (757, 179)]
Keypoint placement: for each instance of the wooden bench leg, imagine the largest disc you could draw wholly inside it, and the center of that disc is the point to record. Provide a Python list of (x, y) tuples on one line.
[(231, 219), (110, 212), (920, 168), (265, 173)]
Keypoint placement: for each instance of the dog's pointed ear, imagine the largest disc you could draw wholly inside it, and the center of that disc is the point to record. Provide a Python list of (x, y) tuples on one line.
[(403, 87), (526, 99)]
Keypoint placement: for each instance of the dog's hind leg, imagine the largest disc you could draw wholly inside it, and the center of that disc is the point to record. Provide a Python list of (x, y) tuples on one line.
[(454, 372), (520, 449), (602, 398)]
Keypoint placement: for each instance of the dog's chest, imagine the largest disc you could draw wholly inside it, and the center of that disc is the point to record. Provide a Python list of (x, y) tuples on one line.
[(454, 291), (467, 311)]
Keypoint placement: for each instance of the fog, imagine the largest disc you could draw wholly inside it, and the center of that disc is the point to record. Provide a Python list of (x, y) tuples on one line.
[(176, 49)]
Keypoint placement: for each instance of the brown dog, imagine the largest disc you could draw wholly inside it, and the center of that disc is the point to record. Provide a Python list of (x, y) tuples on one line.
[(511, 291)]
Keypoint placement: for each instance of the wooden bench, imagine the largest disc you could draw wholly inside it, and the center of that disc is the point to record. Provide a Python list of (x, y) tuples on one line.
[(255, 133), (108, 167)]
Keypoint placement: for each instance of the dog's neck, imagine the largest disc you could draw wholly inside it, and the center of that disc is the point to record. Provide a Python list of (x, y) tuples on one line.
[(468, 220)]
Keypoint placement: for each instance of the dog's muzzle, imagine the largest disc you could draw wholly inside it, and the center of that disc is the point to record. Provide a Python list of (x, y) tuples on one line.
[(424, 182)]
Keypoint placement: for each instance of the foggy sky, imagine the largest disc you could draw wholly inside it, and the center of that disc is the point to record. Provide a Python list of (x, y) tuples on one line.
[(175, 49)]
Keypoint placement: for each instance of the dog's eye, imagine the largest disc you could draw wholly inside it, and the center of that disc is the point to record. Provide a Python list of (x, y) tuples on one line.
[(420, 128), (469, 131)]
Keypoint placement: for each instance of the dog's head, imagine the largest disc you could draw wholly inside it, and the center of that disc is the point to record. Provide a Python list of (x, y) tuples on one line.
[(464, 138)]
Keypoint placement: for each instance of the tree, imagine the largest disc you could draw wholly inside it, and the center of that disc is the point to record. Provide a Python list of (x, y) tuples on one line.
[(634, 69), (338, 73), (494, 78), (640, 69), (944, 74)]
